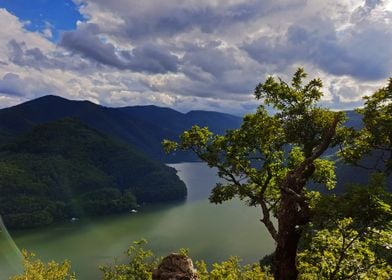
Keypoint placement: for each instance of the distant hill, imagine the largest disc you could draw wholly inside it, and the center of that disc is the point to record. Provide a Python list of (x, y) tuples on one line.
[(354, 120), (61, 158), (347, 174), (64, 169), (142, 126)]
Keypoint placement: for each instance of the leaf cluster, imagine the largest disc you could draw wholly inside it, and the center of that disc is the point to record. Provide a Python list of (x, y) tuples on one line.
[(255, 159), (35, 269), (350, 234)]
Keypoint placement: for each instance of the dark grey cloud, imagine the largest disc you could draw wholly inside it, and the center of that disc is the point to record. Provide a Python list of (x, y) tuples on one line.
[(362, 52), (10, 85), (211, 58), (180, 19), (174, 17), (362, 12), (149, 58), (372, 3), (21, 55), (13, 85), (86, 42)]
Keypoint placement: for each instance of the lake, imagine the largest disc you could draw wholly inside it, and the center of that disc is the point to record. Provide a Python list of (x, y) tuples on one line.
[(211, 232)]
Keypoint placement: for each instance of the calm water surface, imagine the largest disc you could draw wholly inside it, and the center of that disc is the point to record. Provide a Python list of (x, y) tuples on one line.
[(211, 232)]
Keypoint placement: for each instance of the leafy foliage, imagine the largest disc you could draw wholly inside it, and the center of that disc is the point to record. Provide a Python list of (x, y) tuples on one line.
[(140, 266), (344, 253), (350, 235), (35, 269), (141, 263), (231, 270)]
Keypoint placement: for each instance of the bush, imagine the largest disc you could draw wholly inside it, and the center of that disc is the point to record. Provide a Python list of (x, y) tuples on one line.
[(35, 269)]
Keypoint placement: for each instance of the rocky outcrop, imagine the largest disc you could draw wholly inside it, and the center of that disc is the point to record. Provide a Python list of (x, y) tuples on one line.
[(175, 267)]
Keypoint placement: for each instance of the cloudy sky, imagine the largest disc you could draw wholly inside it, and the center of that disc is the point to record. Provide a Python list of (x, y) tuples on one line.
[(191, 54)]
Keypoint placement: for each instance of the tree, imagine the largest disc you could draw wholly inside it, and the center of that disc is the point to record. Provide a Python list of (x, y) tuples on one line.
[(231, 270), (140, 266), (270, 160), (35, 269)]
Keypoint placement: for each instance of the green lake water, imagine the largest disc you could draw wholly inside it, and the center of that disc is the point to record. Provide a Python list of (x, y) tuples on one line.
[(211, 232)]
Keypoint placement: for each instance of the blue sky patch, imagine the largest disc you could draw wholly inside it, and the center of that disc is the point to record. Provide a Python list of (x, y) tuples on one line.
[(58, 15)]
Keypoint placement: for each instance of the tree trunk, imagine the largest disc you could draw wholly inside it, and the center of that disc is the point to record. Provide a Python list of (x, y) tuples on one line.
[(288, 239), (294, 210)]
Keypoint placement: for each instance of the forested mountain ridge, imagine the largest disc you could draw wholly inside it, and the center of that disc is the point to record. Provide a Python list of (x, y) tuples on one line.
[(61, 158), (144, 127), (64, 169), (141, 126)]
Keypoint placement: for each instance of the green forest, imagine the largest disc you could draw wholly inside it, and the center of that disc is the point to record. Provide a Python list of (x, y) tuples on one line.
[(64, 169)]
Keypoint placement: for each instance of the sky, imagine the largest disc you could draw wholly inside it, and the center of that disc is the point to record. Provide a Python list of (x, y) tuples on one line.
[(191, 54)]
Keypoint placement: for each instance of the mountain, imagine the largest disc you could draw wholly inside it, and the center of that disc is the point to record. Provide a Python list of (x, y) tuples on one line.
[(61, 158), (354, 120), (347, 174), (175, 121), (63, 169), (144, 127)]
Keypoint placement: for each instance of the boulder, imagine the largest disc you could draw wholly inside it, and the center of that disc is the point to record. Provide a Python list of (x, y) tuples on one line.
[(175, 267)]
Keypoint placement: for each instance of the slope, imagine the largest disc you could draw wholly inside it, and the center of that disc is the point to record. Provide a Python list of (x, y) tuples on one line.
[(142, 126), (64, 168)]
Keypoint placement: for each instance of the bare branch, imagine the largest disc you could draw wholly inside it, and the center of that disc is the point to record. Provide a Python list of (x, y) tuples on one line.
[(267, 221)]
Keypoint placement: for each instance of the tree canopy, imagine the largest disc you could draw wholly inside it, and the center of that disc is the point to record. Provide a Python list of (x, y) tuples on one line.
[(273, 158)]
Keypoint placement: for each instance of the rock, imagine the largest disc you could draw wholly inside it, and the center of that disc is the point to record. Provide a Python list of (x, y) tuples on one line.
[(175, 267)]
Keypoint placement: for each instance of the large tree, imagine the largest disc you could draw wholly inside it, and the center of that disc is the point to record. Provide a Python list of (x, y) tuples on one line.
[(272, 158)]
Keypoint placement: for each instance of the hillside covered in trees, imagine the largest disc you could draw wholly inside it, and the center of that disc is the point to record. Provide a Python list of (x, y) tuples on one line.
[(143, 127), (65, 169)]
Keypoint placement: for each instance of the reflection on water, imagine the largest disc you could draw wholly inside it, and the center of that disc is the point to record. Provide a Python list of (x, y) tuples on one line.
[(10, 255), (211, 232)]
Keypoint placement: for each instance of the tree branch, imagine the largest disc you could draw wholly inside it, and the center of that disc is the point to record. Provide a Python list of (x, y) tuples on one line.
[(322, 147), (266, 220)]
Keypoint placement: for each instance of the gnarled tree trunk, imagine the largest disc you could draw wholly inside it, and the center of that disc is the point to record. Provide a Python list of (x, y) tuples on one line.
[(290, 218), (294, 210)]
